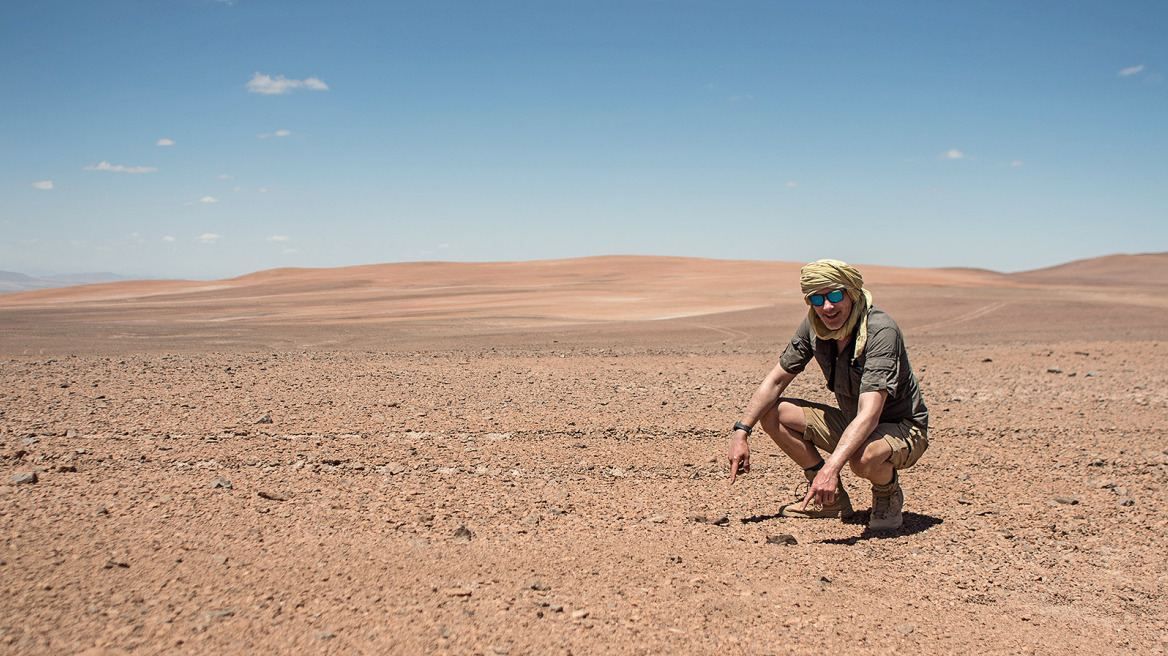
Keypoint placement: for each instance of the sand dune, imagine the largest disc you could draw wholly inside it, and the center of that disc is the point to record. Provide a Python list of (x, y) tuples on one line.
[(610, 288)]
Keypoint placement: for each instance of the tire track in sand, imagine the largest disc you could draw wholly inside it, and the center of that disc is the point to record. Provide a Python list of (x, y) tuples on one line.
[(961, 318)]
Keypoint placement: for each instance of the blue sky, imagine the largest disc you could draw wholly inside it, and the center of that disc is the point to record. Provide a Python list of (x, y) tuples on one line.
[(207, 139)]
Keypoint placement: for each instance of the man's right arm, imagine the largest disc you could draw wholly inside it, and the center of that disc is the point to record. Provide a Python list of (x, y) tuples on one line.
[(765, 398)]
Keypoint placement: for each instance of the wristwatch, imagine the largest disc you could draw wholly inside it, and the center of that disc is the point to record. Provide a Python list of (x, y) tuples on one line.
[(739, 426)]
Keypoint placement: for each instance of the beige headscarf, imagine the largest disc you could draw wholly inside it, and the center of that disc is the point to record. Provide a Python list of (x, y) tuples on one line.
[(837, 275)]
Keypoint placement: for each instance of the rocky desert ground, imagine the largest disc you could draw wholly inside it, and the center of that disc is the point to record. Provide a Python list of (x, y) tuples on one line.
[(530, 458)]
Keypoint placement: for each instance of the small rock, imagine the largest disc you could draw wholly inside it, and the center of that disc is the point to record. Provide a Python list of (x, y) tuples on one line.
[(266, 419), (721, 521), (463, 533), (536, 584), (271, 497), (580, 614), (457, 592), (907, 629), (24, 478), (1125, 501), (556, 608), (221, 483), (1067, 501), (112, 563), (1054, 370), (101, 511), (657, 519), (784, 538), (617, 472), (325, 635), (72, 432)]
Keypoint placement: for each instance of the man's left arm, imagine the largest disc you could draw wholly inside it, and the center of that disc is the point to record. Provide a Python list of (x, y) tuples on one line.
[(823, 488)]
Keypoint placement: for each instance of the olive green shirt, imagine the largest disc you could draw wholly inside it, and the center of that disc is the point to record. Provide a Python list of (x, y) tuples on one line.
[(882, 366)]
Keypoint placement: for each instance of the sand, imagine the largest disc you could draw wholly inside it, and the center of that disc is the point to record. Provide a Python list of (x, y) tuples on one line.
[(530, 458)]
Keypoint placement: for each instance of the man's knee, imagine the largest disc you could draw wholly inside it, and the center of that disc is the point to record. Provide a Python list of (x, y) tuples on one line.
[(868, 460)]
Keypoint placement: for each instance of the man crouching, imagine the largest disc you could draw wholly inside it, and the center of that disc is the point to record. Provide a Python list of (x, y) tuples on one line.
[(881, 423)]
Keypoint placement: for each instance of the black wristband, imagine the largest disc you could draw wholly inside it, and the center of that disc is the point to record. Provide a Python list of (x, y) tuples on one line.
[(739, 426)]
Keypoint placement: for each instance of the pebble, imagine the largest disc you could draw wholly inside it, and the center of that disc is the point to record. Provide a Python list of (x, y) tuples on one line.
[(24, 478), (907, 629), (457, 592), (536, 584), (221, 483), (580, 614), (784, 538), (266, 419), (1125, 501), (1066, 501), (463, 533)]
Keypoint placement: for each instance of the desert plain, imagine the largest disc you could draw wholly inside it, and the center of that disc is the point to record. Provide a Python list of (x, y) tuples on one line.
[(530, 458)]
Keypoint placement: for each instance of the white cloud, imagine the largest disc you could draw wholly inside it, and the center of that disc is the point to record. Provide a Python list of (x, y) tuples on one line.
[(277, 133), (208, 199), (1131, 70), (279, 85), (1017, 162), (43, 184), (164, 142), (168, 238), (118, 168), (279, 238), (209, 237), (224, 176), (952, 153), (791, 183)]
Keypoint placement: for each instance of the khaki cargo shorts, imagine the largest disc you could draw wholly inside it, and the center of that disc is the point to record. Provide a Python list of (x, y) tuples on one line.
[(825, 426)]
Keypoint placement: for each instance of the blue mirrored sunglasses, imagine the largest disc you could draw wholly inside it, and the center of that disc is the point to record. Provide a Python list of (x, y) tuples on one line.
[(835, 296)]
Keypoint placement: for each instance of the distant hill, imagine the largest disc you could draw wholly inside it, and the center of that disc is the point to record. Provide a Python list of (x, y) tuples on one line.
[(18, 282), (1109, 270)]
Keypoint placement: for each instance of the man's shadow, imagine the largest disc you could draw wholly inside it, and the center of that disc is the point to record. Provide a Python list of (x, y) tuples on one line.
[(913, 523)]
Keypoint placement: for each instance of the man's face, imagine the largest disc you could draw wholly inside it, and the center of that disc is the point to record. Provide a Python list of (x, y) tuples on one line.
[(833, 315)]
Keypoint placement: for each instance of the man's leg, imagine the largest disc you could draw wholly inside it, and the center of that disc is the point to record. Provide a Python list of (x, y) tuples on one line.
[(797, 429), (785, 424), (874, 462)]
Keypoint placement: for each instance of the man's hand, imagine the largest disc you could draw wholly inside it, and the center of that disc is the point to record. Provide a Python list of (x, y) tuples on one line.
[(823, 489), (739, 455)]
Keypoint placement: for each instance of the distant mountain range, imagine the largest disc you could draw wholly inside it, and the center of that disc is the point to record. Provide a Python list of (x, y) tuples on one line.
[(18, 282)]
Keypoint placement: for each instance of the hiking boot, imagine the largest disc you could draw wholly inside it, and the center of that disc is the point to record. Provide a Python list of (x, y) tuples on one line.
[(887, 505), (841, 507)]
